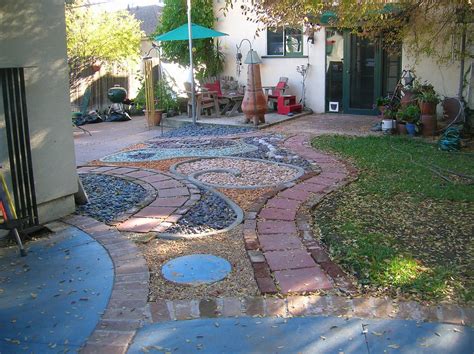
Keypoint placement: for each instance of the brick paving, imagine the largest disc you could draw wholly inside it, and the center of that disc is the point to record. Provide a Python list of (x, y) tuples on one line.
[(279, 232), (173, 197)]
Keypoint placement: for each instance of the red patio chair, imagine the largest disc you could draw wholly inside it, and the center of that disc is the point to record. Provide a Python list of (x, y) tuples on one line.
[(273, 92)]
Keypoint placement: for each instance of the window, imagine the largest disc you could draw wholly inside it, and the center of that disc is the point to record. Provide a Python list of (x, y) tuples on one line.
[(284, 41)]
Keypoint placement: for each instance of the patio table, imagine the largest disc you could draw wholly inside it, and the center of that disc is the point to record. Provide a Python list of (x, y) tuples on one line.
[(233, 105)]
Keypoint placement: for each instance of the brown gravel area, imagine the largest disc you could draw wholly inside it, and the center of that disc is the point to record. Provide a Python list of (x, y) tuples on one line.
[(163, 165), (229, 245), (136, 147), (245, 198), (252, 173)]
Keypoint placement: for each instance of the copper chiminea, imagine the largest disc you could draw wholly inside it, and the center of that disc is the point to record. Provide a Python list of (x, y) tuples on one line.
[(254, 104)]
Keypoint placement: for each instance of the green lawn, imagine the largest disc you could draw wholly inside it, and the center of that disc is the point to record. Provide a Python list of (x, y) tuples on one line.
[(405, 227)]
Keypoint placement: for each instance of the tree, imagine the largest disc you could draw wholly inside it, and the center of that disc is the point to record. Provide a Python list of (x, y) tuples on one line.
[(107, 38), (207, 58)]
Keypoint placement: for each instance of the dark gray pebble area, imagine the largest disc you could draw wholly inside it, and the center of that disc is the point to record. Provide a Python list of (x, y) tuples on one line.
[(269, 149), (211, 213), (203, 130), (192, 144), (109, 196)]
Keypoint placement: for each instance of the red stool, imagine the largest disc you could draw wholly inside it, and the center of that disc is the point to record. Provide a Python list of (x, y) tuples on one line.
[(287, 104)]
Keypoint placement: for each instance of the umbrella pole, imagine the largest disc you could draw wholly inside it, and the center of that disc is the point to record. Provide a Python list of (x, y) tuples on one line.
[(190, 35)]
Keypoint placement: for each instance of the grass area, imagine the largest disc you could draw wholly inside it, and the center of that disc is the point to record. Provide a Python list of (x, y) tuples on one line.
[(405, 227)]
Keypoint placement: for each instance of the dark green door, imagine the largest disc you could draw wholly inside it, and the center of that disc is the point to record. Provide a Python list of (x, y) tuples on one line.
[(362, 79)]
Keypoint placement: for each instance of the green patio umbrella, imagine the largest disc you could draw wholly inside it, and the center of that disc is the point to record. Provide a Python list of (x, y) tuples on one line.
[(181, 33), (189, 32)]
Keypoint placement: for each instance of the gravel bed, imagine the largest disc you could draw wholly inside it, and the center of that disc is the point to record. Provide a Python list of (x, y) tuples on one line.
[(203, 130), (245, 198), (228, 245), (250, 172), (109, 196), (268, 149), (160, 153), (192, 144), (211, 213)]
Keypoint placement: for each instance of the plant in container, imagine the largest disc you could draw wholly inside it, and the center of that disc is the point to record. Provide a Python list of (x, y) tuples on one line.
[(382, 104), (401, 123), (412, 117), (428, 101)]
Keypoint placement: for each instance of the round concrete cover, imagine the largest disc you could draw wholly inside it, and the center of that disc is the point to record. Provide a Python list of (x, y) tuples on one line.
[(196, 269)]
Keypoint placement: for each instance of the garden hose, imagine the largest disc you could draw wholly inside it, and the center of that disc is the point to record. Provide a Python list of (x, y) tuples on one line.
[(450, 140)]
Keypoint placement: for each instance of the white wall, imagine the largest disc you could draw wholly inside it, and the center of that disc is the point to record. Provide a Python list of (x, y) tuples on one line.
[(238, 28), (32, 35)]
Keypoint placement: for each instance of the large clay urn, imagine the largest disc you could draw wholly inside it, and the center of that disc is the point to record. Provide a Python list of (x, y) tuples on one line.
[(254, 104)]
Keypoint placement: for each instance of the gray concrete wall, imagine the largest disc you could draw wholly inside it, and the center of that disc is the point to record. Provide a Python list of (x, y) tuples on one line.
[(33, 35)]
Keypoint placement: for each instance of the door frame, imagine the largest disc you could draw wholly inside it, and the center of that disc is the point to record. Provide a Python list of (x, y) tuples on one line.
[(346, 77)]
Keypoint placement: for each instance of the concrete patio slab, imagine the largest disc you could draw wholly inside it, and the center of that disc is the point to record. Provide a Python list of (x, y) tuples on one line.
[(51, 300), (302, 335)]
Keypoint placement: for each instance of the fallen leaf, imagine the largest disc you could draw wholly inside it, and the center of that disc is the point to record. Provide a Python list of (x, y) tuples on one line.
[(394, 346)]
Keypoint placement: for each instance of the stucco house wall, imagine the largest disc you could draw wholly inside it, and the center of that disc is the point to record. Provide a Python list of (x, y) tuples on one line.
[(272, 68), (444, 78), (32, 35)]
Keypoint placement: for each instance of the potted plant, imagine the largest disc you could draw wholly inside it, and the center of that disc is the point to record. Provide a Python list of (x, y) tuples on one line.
[(401, 123), (165, 97), (428, 101), (411, 117), (382, 104)]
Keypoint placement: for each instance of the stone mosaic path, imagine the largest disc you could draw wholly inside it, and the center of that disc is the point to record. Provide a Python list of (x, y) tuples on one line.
[(283, 252)]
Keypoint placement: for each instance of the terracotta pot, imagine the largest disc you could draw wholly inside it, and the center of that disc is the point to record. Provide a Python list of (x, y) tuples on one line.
[(154, 117), (382, 109), (401, 128), (254, 104), (429, 125), (428, 108), (407, 99)]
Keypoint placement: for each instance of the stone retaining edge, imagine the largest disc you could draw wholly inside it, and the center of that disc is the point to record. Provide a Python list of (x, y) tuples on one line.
[(311, 305)]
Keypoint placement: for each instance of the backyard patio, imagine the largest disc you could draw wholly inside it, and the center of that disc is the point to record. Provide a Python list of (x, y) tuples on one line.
[(294, 186), (232, 221)]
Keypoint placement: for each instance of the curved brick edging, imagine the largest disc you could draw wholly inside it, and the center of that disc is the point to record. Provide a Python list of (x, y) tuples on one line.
[(174, 196), (284, 254), (127, 309), (311, 305)]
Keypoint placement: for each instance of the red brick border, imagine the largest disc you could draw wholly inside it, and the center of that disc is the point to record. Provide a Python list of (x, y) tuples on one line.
[(310, 305), (285, 256), (127, 309)]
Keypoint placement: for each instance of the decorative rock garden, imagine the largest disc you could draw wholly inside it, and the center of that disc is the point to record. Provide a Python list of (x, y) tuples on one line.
[(109, 196), (209, 215), (238, 172), (189, 131), (194, 201), (167, 150)]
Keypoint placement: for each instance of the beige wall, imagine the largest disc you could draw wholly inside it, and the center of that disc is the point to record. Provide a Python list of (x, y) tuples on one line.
[(237, 27), (444, 77), (32, 35)]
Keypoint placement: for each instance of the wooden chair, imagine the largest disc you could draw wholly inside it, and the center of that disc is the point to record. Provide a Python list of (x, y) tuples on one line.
[(273, 92), (205, 101)]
